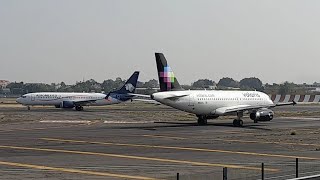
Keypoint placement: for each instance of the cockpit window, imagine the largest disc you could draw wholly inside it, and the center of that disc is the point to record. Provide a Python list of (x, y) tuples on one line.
[(23, 96)]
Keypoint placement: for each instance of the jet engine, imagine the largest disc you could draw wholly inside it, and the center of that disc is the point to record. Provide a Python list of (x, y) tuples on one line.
[(262, 115), (67, 104)]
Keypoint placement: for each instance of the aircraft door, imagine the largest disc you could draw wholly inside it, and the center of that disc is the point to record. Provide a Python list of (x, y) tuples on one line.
[(33, 97), (191, 100)]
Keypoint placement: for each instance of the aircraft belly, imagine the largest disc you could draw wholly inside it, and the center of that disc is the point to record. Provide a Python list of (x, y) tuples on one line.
[(103, 102), (204, 108), (183, 106)]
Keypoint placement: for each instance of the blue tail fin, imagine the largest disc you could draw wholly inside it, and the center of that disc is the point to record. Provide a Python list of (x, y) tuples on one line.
[(130, 85)]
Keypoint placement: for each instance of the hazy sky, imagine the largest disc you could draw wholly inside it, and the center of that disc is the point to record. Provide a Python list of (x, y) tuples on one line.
[(68, 40)]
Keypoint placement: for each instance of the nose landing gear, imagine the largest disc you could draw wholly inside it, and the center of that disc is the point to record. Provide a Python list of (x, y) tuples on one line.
[(238, 122), (79, 108), (202, 120)]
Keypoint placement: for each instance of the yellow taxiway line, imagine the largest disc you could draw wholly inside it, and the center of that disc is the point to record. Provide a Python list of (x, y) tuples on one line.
[(167, 137), (183, 148), (235, 140), (266, 142), (68, 170), (135, 157)]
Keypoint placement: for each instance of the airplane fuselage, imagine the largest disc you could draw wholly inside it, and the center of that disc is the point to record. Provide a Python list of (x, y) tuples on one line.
[(56, 99), (208, 102)]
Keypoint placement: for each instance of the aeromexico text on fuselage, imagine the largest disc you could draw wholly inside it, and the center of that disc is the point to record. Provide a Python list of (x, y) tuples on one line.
[(68, 100), (208, 102)]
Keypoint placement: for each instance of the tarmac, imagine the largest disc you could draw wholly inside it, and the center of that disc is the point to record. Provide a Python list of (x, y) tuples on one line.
[(135, 141)]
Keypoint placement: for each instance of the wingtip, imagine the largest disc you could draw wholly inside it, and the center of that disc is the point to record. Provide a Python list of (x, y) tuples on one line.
[(294, 102)]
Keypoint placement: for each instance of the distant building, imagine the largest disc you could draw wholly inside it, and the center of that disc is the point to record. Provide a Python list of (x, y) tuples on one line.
[(214, 86), (6, 91), (4, 83), (316, 89)]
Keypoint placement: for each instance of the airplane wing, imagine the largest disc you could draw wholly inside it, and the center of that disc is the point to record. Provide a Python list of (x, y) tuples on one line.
[(172, 97), (83, 103), (233, 109), (148, 101), (241, 108), (139, 95), (286, 104)]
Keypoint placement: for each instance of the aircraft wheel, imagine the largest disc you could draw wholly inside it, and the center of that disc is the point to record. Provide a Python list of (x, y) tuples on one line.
[(237, 123), (79, 108), (240, 123), (202, 121)]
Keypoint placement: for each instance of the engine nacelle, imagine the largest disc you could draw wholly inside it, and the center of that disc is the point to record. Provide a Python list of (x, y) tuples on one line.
[(67, 104), (262, 115)]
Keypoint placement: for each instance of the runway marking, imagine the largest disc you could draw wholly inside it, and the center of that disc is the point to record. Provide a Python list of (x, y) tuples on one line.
[(68, 170), (236, 132), (136, 157), (66, 121), (126, 122), (183, 148), (31, 129), (167, 137)]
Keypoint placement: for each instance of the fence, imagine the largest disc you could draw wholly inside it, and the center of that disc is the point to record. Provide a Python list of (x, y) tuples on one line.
[(280, 171)]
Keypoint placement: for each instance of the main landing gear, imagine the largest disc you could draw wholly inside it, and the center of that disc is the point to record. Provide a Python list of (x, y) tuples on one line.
[(79, 108), (202, 120), (238, 122), (28, 108)]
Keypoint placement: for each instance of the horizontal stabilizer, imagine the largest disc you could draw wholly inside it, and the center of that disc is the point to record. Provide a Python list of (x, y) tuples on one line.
[(139, 95), (147, 101), (174, 98)]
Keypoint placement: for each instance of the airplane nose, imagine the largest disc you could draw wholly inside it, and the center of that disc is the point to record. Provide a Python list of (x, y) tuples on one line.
[(18, 100)]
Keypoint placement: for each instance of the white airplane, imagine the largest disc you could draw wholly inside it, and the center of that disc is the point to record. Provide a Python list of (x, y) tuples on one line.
[(210, 104), (78, 100)]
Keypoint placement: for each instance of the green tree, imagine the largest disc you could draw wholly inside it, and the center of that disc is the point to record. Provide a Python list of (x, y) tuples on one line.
[(111, 85), (151, 84), (251, 84), (287, 88), (15, 85), (228, 82), (203, 83)]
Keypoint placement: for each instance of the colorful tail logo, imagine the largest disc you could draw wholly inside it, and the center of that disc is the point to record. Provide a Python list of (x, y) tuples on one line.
[(167, 80), (168, 77)]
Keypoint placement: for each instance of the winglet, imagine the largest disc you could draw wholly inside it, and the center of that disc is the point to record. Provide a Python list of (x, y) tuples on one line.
[(294, 102)]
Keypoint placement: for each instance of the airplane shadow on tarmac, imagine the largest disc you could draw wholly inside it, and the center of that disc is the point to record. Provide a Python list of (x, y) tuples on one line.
[(192, 124)]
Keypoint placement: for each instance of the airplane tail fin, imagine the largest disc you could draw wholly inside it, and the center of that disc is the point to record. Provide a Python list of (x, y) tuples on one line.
[(130, 85), (167, 80)]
